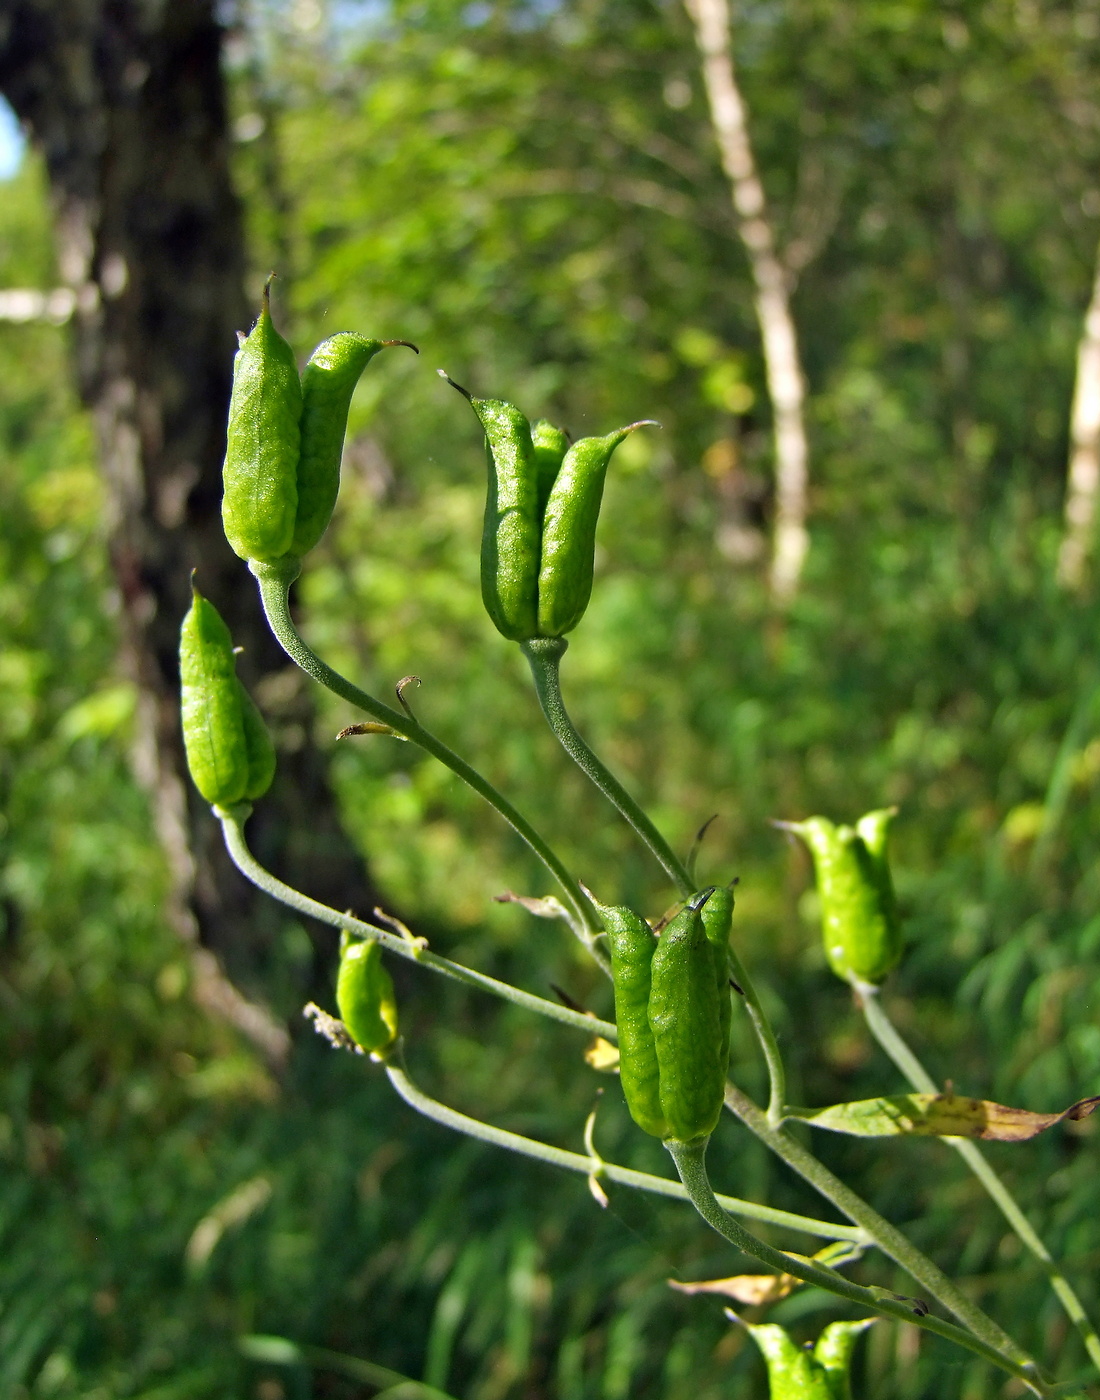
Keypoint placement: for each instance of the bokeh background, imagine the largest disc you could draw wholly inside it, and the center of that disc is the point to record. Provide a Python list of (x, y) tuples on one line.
[(531, 192)]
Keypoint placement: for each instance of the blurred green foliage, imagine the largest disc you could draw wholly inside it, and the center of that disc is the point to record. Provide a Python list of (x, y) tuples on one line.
[(531, 193)]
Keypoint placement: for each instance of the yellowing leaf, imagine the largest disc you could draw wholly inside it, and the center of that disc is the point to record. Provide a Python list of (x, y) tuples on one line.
[(602, 1055), (938, 1115), (751, 1289)]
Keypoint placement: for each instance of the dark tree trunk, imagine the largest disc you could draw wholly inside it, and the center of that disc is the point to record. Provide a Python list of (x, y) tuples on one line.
[(127, 102)]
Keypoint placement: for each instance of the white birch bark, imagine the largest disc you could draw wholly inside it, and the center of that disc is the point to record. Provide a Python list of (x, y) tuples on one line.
[(1083, 484), (786, 386)]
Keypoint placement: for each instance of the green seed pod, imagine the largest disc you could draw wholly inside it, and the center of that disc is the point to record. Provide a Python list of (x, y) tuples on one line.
[(875, 828), (539, 540), (229, 752), (632, 948), (510, 539), (717, 915), (569, 533), (551, 445), (795, 1373), (328, 382), (686, 1023), (258, 747), (364, 994), (859, 916), (834, 1351), (260, 503)]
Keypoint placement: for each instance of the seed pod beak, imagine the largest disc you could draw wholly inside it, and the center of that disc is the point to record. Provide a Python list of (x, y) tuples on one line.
[(464, 392)]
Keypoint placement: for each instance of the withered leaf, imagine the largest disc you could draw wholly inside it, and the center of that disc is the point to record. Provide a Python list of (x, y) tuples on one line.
[(751, 1289), (938, 1115), (546, 907), (369, 726)]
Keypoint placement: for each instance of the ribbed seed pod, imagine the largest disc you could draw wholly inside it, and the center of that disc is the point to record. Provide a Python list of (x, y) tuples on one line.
[(875, 830), (859, 917), (686, 1023), (551, 445), (510, 539), (797, 1373), (569, 533), (833, 1350), (364, 995), (259, 749), (539, 540), (717, 915), (229, 752), (260, 503), (632, 948), (328, 382), (793, 1373)]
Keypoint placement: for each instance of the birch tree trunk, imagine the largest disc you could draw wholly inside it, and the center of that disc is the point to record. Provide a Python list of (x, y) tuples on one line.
[(127, 102), (786, 385), (1083, 483)]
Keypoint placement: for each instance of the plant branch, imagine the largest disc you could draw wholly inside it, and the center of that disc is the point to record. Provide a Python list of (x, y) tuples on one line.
[(275, 580), (889, 1038), (232, 820), (690, 1159), (623, 1176), (544, 657), (765, 1035), (887, 1237)]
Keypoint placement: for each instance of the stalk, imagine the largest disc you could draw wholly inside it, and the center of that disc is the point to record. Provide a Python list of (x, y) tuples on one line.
[(888, 1036), (589, 1166), (886, 1236), (275, 580), (765, 1035), (232, 828), (544, 657), (690, 1160)]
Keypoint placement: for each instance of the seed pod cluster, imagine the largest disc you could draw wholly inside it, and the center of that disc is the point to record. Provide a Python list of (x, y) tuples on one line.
[(672, 1008), (365, 997), (285, 439), (859, 915), (538, 542), (229, 751), (798, 1373)]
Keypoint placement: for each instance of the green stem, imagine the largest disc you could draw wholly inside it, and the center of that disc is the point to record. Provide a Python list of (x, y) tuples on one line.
[(887, 1237), (232, 820), (690, 1159), (575, 1162), (544, 657), (777, 1074), (275, 580), (887, 1035)]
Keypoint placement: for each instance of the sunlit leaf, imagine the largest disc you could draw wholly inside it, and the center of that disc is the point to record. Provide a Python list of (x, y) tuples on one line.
[(938, 1115)]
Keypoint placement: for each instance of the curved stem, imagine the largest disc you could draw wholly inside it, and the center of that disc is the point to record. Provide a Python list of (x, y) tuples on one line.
[(575, 1162), (690, 1159), (777, 1074), (544, 657), (888, 1036), (275, 580), (887, 1237), (232, 828)]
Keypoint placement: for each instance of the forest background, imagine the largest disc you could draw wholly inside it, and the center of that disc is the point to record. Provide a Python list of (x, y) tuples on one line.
[(532, 193)]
